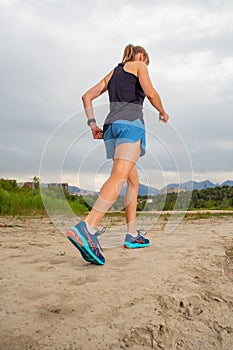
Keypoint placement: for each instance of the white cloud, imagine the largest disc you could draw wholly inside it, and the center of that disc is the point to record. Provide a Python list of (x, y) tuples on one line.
[(52, 51)]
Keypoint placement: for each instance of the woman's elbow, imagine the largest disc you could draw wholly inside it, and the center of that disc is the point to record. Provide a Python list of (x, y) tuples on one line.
[(151, 95), (85, 96), (86, 99)]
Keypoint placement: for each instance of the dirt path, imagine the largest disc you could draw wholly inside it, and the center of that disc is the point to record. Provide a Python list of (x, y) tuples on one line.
[(176, 294)]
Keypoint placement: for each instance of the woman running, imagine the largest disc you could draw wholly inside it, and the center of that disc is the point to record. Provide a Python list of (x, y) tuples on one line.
[(124, 135)]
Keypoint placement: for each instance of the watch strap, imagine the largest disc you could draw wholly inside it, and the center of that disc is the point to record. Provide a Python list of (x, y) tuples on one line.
[(91, 120)]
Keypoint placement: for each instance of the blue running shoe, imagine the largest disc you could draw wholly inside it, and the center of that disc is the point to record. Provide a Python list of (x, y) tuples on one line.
[(132, 242), (86, 243)]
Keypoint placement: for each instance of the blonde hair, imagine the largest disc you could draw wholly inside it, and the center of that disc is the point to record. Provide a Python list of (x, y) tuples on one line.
[(130, 52)]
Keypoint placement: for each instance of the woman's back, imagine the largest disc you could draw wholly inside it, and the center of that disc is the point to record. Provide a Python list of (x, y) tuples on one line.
[(131, 67), (124, 86), (126, 95)]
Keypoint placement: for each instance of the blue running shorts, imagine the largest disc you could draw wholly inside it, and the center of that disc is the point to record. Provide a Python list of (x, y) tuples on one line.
[(123, 131)]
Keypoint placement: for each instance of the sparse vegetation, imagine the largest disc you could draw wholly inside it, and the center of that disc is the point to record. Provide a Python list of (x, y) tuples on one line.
[(27, 201), (209, 198), (229, 252)]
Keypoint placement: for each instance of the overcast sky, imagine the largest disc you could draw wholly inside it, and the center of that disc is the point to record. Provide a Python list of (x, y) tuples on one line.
[(53, 51)]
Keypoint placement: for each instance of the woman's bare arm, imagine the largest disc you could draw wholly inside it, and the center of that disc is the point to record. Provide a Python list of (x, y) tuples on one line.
[(150, 91), (88, 97), (93, 93)]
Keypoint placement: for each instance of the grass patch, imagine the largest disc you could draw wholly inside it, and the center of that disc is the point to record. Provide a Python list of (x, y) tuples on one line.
[(116, 214), (56, 311), (205, 215), (229, 252), (197, 216)]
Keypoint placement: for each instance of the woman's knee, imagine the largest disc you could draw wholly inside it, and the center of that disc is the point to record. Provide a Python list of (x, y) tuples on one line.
[(122, 168), (133, 182), (133, 178), (118, 180)]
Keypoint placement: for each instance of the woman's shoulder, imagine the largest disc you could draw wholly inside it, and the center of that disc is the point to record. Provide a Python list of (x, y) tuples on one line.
[(134, 67)]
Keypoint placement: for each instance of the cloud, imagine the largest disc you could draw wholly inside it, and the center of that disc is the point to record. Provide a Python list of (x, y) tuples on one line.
[(52, 51)]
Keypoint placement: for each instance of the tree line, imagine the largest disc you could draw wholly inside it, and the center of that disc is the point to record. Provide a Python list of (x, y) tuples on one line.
[(208, 198), (26, 201)]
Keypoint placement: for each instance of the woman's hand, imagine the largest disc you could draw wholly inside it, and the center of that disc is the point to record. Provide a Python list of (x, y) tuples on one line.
[(97, 132), (163, 117)]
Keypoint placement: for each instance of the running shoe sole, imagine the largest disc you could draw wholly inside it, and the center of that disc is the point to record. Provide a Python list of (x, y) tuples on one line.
[(129, 245), (83, 253), (82, 245)]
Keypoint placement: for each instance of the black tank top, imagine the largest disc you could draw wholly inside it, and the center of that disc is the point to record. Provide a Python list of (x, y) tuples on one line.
[(126, 97)]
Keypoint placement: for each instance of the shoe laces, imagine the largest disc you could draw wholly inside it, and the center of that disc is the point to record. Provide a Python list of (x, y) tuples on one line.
[(98, 233), (142, 232)]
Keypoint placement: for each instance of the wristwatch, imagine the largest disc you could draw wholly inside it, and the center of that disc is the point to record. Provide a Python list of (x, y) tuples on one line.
[(91, 120)]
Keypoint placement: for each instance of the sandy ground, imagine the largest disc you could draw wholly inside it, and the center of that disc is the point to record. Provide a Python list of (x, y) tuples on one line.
[(175, 294)]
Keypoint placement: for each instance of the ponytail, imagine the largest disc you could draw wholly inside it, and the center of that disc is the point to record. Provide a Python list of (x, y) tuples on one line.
[(130, 52)]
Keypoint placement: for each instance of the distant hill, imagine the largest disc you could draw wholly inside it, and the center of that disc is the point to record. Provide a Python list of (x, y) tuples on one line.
[(74, 189), (227, 183), (145, 190), (189, 185), (194, 185)]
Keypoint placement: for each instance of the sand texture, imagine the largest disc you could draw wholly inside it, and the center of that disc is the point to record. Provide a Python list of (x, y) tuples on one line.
[(176, 294)]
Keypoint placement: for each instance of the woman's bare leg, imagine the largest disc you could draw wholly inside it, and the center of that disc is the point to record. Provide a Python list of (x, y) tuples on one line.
[(131, 200), (126, 156)]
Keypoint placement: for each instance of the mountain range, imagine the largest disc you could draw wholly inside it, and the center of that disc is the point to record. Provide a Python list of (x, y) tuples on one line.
[(194, 185), (149, 190)]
